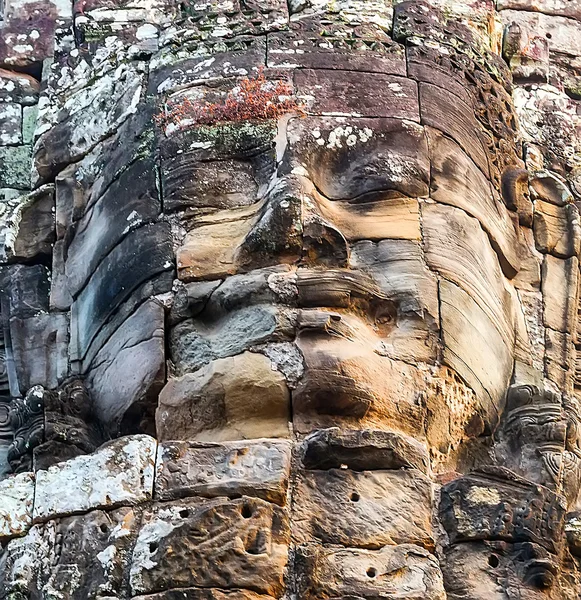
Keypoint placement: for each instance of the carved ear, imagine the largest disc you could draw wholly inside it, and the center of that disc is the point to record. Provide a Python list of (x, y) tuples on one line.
[(515, 193), (550, 188)]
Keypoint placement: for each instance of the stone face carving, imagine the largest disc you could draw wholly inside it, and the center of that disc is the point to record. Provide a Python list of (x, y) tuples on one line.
[(333, 354)]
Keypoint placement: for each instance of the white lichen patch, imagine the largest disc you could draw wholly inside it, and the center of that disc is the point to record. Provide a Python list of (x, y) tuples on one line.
[(348, 135), (16, 500), (483, 495), (150, 535), (126, 469)]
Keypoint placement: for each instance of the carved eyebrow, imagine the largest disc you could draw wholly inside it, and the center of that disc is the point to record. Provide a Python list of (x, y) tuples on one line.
[(365, 197)]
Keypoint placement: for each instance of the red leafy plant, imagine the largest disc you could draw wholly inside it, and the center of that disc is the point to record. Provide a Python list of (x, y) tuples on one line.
[(254, 99)]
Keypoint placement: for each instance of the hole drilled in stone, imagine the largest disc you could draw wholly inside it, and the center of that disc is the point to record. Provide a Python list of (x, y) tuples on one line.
[(184, 513), (103, 527), (493, 561), (371, 572), (355, 497), (246, 511), (153, 546)]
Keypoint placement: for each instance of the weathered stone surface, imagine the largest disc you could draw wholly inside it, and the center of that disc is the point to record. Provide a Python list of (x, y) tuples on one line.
[(547, 7), (473, 570), (40, 349), (399, 269), (95, 113), (456, 181), (223, 543), (259, 468), (369, 574), (126, 205), (143, 254), (16, 501), (550, 124), (446, 112), (18, 87), (560, 309), (126, 465), (129, 371), (557, 229), (231, 398), (35, 231), (477, 507), (10, 124), (363, 509), (75, 557), (202, 69), (26, 290), (196, 343), (348, 158), (16, 165), (363, 450), (476, 304), (334, 92), (204, 594), (311, 45)]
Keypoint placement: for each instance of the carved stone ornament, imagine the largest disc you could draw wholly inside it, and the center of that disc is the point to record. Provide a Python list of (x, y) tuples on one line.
[(289, 300)]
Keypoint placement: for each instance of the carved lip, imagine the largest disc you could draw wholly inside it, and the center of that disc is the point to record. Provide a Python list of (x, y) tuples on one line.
[(335, 288)]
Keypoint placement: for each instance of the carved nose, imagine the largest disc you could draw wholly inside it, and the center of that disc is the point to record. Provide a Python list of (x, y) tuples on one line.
[(276, 236), (289, 230), (323, 243)]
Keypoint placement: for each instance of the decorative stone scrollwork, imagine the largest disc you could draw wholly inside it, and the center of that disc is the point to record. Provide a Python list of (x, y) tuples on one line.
[(50, 426)]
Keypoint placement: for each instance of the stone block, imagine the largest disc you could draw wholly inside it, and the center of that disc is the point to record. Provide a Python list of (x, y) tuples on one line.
[(29, 117), (483, 507), (363, 450), (36, 226), (195, 343), (457, 181), (40, 349), (28, 33), (120, 473), (231, 398), (131, 201), (526, 52), (559, 281), (72, 558), (259, 468), (313, 46), (10, 124), (251, 55), (475, 349), (141, 256), (368, 509), (18, 87), (442, 110), (95, 112), (358, 94), (222, 543), (557, 229), (27, 290), (16, 164), (129, 371), (16, 502), (571, 9), (369, 574)]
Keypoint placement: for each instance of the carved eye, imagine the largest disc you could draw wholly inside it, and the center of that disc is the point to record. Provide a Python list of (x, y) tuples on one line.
[(377, 196)]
